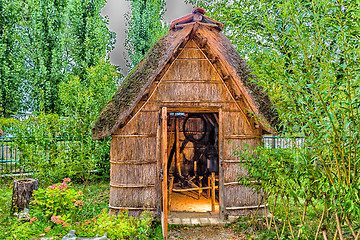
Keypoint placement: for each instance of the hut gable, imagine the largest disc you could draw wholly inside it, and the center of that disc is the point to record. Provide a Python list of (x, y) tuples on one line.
[(192, 52)]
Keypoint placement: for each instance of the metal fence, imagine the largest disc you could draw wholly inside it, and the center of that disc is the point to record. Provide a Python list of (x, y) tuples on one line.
[(11, 163), (10, 156), (281, 142)]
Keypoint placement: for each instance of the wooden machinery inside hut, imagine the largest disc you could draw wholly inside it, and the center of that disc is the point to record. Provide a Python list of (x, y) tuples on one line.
[(193, 161)]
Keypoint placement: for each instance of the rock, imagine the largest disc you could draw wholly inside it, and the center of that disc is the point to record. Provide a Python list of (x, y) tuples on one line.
[(96, 238), (72, 236), (23, 215)]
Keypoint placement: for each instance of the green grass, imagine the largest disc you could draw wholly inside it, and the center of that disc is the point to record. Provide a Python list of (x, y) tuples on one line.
[(6, 220)]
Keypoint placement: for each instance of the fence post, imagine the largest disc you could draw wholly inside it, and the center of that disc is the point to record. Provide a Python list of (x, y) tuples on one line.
[(273, 143)]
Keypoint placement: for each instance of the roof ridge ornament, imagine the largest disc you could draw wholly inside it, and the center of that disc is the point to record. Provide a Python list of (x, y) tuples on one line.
[(197, 16), (199, 10)]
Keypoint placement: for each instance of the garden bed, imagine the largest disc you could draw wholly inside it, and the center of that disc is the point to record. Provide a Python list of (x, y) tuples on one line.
[(88, 214)]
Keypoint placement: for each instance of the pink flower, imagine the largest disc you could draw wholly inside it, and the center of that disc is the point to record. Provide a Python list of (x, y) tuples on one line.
[(57, 219), (79, 203), (63, 186), (53, 186), (77, 223), (67, 179), (33, 220)]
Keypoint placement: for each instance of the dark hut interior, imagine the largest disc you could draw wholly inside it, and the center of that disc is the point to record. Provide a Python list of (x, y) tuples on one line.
[(193, 159)]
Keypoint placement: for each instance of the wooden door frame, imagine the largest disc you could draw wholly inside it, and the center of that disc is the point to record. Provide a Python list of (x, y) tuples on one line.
[(219, 111), (163, 172)]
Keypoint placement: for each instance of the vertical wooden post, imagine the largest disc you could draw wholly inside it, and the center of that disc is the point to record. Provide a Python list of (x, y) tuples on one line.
[(213, 192), (222, 202), (209, 185), (164, 156), (177, 139), (170, 191)]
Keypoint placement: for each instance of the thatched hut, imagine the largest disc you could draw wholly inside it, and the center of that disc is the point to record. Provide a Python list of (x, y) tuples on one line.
[(177, 119)]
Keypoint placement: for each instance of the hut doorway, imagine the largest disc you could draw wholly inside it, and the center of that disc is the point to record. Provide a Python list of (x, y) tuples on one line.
[(193, 162)]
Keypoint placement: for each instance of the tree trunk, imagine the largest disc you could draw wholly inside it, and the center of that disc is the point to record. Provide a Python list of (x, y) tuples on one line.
[(22, 193)]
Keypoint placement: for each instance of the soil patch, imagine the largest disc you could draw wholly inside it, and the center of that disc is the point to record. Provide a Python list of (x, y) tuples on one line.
[(205, 233)]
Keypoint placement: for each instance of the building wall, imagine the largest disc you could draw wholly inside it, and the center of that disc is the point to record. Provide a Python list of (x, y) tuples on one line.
[(191, 82)]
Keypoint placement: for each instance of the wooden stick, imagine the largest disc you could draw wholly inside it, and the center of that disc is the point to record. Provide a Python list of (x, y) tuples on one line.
[(133, 162), (133, 208), (351, 227), (357, 236), (242, 136), (164, 156), (170, 191), (213, 192), (209, 185), (177, 154), (190, 189), (132, 185), (321, 221), (335, 236), (134, 135), (338, 223), (338, 226)]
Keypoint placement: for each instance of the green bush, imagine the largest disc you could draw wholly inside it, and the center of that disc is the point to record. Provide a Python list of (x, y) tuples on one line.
[(57, 200), (57, 209)]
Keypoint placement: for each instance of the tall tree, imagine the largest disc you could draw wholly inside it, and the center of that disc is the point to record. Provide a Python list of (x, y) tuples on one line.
[(10, 58), (145, 26), (43, 27), (89, 39)]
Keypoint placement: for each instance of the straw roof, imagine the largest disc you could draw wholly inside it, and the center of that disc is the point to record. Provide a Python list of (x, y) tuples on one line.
[(202, 30)]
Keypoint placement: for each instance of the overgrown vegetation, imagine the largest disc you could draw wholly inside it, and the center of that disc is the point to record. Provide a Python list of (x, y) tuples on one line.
[(306, 55), (52, 146), (44, 43), (55, 79), (61, 207)]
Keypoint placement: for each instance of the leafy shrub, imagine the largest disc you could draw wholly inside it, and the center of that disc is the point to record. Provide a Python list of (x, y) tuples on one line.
[(58, 201), (117, 227)]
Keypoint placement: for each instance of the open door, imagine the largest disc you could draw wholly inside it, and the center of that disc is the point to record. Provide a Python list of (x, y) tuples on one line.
[(164, 184)]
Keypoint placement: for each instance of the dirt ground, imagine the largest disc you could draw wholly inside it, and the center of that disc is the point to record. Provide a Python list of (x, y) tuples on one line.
[(204, 233)]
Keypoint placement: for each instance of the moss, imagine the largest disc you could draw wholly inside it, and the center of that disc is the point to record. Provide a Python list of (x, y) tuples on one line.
[(147, 70), (131, 87)]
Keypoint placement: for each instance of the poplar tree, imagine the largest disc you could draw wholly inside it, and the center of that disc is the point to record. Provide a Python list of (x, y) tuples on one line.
[(89, 39), (145, 26), (43, 24), (10, 58)]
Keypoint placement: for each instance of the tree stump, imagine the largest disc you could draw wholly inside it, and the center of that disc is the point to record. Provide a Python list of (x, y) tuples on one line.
[(22, 193)]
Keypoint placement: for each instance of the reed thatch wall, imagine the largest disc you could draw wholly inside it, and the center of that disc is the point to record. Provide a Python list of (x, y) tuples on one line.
[(190, 83)]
